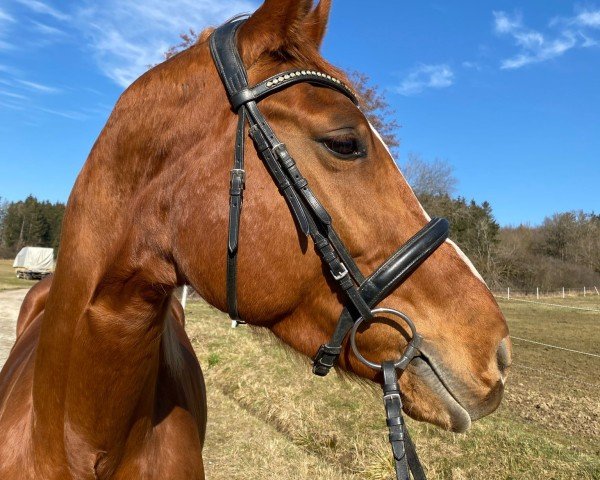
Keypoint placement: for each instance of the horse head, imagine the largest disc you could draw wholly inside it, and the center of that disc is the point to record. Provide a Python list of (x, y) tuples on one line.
[(176, 127)]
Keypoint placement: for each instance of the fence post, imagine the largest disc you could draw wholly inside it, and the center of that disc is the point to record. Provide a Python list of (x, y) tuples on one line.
[(508, 293), (584, 291), (563, 292), (537, 292), (597, 292), (184, 294)]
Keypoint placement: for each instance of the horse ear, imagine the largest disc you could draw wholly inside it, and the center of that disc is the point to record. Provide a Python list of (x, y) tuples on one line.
[(315, 23), (274, 25)]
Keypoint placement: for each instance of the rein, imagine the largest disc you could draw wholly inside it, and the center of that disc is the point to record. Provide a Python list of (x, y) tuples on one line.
[(361, 294)]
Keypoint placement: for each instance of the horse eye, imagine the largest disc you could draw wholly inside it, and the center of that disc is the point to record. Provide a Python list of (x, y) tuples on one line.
[(344, 146)]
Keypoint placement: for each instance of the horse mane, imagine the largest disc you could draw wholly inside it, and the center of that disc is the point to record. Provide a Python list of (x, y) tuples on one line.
[(181, 364)]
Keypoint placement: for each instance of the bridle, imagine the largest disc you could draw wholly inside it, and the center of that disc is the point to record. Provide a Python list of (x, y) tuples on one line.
[(361, 293)]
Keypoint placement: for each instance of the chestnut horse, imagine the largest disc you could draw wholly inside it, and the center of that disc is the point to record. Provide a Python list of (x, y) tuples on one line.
[(102, 381)]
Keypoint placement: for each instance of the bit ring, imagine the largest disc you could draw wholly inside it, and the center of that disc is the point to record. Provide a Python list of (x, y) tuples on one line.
[(411, 350)]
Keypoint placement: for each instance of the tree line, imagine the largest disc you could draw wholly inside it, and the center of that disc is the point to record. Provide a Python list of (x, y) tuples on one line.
[(564, 251), (29, 222)]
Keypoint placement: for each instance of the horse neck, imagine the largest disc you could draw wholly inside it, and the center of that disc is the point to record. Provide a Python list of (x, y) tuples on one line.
[(98, 354)]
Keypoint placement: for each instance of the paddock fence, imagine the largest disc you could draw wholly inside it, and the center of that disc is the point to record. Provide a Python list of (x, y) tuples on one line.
[(538, 292)]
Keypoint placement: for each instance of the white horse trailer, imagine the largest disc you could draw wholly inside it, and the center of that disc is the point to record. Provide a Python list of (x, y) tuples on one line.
[(34, 263)]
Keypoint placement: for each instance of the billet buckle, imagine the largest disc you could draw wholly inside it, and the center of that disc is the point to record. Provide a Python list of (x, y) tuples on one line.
[(392, 396), (237, 181), (341, 274), (322, 367), (280, 151)]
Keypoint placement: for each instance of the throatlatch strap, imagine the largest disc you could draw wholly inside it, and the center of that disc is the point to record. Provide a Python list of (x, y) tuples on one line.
[(236, 198)]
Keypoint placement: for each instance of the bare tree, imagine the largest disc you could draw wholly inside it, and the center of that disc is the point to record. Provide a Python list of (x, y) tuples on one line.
[(434, 178), (187, 40), (377, 109)]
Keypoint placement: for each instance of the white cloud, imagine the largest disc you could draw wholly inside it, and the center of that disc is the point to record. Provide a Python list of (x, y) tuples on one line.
[(47, 29), (70, 114), (587, 41), (543, 51), (588, 18), (12, 105), (535, 46), (42, 8), (426, 76), (12, 95), (531, 40), (6, 17), (5, 20), (126, 37), (9, 69), (503, 23), (38, 87), (471, 65)]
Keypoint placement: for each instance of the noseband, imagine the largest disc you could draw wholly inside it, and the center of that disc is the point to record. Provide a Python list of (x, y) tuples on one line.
[(361, 294)]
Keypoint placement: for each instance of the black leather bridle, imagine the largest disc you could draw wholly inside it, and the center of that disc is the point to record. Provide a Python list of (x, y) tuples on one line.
[(361, 294)]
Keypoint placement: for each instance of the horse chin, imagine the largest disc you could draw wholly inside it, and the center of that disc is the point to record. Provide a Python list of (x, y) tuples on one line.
[(447, 412)]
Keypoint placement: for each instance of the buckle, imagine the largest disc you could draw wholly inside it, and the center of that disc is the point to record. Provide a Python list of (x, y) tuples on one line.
[(392, 396), (280, 151), (320, 366), (341, 274), (237, 181)]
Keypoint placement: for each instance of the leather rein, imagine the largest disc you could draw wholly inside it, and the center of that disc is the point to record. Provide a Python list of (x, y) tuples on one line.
[(361, 294)]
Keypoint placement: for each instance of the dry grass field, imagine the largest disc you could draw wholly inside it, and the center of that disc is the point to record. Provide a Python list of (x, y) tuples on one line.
[(8, 279), (270, 418)]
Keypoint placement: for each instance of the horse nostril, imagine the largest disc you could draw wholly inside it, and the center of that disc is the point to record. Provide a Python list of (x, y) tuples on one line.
[(503, 356)]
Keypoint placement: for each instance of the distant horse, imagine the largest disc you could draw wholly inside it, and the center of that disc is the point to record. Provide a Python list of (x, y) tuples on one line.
[(102, 381)]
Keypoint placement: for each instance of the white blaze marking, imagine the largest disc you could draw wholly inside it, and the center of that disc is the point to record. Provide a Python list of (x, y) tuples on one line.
[(380, 138), (425, 214), (466, 259), (460, 253)]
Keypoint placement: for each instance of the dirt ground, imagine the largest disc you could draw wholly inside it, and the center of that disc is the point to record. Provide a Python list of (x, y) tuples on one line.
[(10, 302)]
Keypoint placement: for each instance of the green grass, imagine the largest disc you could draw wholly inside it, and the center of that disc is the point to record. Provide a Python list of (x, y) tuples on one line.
[(8, 279), (547, 427)]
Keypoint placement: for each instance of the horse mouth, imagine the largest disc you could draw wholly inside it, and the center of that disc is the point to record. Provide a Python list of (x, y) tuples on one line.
[(459, 418)]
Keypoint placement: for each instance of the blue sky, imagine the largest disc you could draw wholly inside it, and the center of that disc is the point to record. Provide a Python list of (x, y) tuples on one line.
[(507, 92)]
